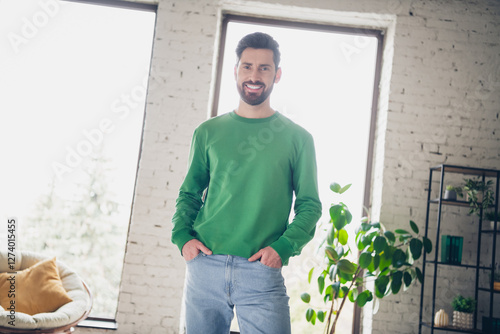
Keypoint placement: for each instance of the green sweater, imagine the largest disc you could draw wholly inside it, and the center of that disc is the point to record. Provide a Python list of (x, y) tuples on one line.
[(250, 169)]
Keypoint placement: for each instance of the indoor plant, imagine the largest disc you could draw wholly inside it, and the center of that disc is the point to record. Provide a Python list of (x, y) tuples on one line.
[(463, 311), (478, 193), (384, 257), (450, 193), (490, 216)]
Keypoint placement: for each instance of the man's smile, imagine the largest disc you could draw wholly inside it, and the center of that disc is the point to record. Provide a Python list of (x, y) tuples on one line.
[(253, 88)]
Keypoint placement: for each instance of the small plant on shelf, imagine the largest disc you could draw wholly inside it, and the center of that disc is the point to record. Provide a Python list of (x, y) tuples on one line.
[(478, 193), (450, 193), (490, 216), (463, 311)]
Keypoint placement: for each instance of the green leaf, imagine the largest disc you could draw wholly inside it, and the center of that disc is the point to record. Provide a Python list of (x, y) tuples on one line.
[(330, 237), (375, 263), (306, 298), (336, 287), (407, 278), (321, 284), (398, 258), (331, 253), (416, 248), (414, 226), (311, 315), (340, 251), (344, 189), (381, 286), (335, 187), (335, 211), (332, 272), (419, 274), (321, 316), (397, 282), (353, 295), (348, 215), (427, 245), (343, 291), (343, 236), (401, 231), (340, 222), (379, 244), (309, 277), (390, 236), (363, 298), (346, 266), (365, 259)]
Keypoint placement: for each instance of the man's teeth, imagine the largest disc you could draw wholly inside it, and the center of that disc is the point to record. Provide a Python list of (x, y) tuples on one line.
[(253, 87)]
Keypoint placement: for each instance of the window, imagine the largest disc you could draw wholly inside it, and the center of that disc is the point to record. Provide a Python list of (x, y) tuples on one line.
[(327, 86), (74, 82)]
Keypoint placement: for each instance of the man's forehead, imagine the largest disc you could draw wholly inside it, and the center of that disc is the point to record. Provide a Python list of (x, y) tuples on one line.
[(260, 56)]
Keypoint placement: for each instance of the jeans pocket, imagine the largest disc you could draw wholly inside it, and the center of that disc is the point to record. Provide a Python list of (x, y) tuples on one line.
[(200, 254), (267, 267)]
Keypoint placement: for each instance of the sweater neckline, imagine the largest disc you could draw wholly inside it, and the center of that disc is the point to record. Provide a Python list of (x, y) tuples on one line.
[(237, 117)]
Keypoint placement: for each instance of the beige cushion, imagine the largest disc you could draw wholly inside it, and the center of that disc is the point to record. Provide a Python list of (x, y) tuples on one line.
[(64, 315)]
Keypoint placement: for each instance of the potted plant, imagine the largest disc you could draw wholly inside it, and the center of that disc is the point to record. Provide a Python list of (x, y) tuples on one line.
[(478, 193), (463, 312), (387, 258), (450, 193), (490, 216)]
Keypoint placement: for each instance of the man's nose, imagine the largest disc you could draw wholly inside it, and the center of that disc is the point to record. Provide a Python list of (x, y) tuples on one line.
[(255, 75)]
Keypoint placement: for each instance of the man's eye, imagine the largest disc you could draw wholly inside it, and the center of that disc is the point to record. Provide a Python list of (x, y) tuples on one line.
[(265, 68)]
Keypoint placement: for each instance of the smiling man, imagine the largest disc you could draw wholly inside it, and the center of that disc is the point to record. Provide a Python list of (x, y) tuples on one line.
[(232, 215)]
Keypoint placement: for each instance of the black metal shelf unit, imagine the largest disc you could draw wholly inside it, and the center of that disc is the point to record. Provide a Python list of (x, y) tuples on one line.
[(484, 174)]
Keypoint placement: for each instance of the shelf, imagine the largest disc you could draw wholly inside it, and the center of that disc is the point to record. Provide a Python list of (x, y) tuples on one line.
[(453, 329), (483, 230), (449, 202), (468, 266), (488, 290), (466, 170)]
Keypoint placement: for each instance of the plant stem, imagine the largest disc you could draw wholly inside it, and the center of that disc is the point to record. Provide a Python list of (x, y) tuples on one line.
[(332, 330)]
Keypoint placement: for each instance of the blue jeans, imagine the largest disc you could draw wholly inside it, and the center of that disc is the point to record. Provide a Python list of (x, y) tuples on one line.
[(215, 284)]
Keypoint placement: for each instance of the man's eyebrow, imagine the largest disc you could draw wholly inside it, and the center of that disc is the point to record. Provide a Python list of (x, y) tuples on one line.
[(260, 65)]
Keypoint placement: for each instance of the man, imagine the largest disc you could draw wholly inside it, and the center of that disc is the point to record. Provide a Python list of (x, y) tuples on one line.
[(231, 220)]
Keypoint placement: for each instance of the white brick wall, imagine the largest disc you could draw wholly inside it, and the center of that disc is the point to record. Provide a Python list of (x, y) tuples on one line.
[(439, 104)]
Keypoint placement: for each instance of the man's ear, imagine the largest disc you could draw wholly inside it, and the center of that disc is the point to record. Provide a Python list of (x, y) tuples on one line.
[(277, 77), (235, 72)]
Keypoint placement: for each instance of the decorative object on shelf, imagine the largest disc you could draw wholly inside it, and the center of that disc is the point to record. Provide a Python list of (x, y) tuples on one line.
[(478, 193), (490, 216), (386, 258), (441, 319), (450, 193), (496, 277), (451, 249), (491, 325), (463, 312)]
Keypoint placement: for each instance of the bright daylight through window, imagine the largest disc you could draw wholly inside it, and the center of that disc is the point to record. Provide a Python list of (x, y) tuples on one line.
[(73, 81), (327, 87)]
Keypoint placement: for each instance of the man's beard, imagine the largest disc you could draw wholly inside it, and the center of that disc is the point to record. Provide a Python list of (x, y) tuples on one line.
[(254, 99)]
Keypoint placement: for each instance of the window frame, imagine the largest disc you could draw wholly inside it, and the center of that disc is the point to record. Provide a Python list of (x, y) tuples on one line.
[(100, 322), (282, 22)]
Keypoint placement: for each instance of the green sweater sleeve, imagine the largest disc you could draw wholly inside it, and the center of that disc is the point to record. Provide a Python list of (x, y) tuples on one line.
[(307, 206), (190, 198)]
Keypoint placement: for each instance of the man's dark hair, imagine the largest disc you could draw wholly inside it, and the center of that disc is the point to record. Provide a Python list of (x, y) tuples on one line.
[(259, 40)]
